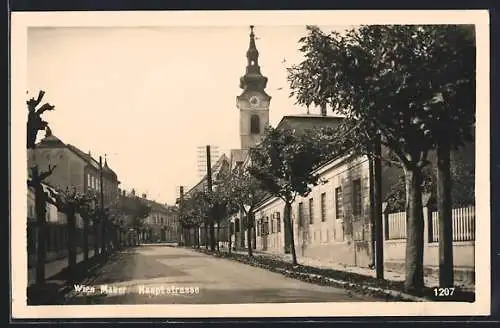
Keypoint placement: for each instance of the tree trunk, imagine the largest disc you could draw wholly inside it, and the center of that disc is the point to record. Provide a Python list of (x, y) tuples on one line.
[(71, 238), (85, 239), (289, 230), (218, 237), (205, 237), (249, 231), (95, 228), (372, 208), (230, 228), (445, 215), (378, 215), (103, 236), (41, 232), (415, 231), (212, 236)]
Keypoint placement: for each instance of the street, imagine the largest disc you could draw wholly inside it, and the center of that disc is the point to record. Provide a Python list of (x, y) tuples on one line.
[(154, 274)]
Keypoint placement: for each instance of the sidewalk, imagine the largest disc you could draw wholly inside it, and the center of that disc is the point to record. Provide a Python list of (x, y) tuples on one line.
[(430, 281), (54, 267)]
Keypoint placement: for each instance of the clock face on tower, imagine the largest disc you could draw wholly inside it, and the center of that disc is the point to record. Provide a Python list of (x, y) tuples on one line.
[(254, 101)]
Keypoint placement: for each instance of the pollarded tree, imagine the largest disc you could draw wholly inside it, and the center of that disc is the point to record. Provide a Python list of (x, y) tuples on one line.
[(70, 201), (89, 212), (284, 164), (35, 123), (404, 84)]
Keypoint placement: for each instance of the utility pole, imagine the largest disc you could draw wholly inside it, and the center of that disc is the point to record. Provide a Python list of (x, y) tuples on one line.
[(209, 188), (103, 216), (181, 209), (377, 199)]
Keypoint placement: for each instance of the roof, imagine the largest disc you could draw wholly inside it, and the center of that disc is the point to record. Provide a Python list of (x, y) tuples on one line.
[(157, 207), (86, 157), (238, 157), (309, 121), (51, 141), (216, 168)]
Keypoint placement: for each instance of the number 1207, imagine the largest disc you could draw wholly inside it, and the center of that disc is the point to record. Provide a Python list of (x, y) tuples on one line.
[(444, 291)]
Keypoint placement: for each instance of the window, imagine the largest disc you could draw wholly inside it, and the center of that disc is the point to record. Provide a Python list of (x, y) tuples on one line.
[(257, 227), (272, 223), (311, 210), (254, 124), (88, 180), (278, 222), (356, 193), (339, 212), (300, 214), (323, 207)]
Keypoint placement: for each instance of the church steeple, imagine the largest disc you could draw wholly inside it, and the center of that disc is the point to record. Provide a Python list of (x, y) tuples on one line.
[(252, 53), (253, 78), (253, 102)]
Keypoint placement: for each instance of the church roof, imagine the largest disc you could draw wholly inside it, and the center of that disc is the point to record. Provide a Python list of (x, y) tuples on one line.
[(219, 165), (309, 121)]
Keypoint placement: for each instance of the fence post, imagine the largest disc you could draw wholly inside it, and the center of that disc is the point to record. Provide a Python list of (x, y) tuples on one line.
[(427, 225), (385, 221)]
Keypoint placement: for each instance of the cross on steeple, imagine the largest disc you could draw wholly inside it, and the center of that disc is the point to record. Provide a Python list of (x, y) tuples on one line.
[(253, 78)]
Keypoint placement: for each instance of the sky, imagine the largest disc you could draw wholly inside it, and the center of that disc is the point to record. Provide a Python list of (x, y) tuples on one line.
[(149, 97)]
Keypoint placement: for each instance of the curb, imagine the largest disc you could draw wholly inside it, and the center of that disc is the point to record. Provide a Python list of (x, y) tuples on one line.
[(380, 292)]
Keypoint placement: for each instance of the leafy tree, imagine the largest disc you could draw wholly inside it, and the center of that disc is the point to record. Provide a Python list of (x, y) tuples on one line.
[(402, 84), (34, 125), (246, 192), (136, 209), (221, 201), (283, 163), (194, 214), (70, 201)]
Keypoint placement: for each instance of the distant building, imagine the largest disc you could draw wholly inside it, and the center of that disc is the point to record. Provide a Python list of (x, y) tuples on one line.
[(162, 221)]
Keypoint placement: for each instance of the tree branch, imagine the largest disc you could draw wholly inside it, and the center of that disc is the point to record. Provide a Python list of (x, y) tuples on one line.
[(45, 107), (46, 174)]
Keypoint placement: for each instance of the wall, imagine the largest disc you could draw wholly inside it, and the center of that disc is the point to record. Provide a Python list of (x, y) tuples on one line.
[(69, 170), (345, 239), (395, 249)]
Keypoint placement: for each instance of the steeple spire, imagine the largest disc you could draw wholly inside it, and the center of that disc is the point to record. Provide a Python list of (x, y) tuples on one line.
[(252, 53), (253, 78)]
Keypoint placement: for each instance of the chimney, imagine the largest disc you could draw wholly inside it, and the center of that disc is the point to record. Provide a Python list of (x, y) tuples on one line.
[(144, 196), (124, 193), (133, 192)]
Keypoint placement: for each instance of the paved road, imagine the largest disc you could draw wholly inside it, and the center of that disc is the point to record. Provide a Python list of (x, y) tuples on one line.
[(152, 274)]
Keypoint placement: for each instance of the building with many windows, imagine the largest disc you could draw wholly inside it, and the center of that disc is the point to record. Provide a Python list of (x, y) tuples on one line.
[(74, 168), (162, 221)]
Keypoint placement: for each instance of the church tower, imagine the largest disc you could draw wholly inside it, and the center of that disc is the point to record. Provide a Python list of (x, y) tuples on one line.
[(253, 102)]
